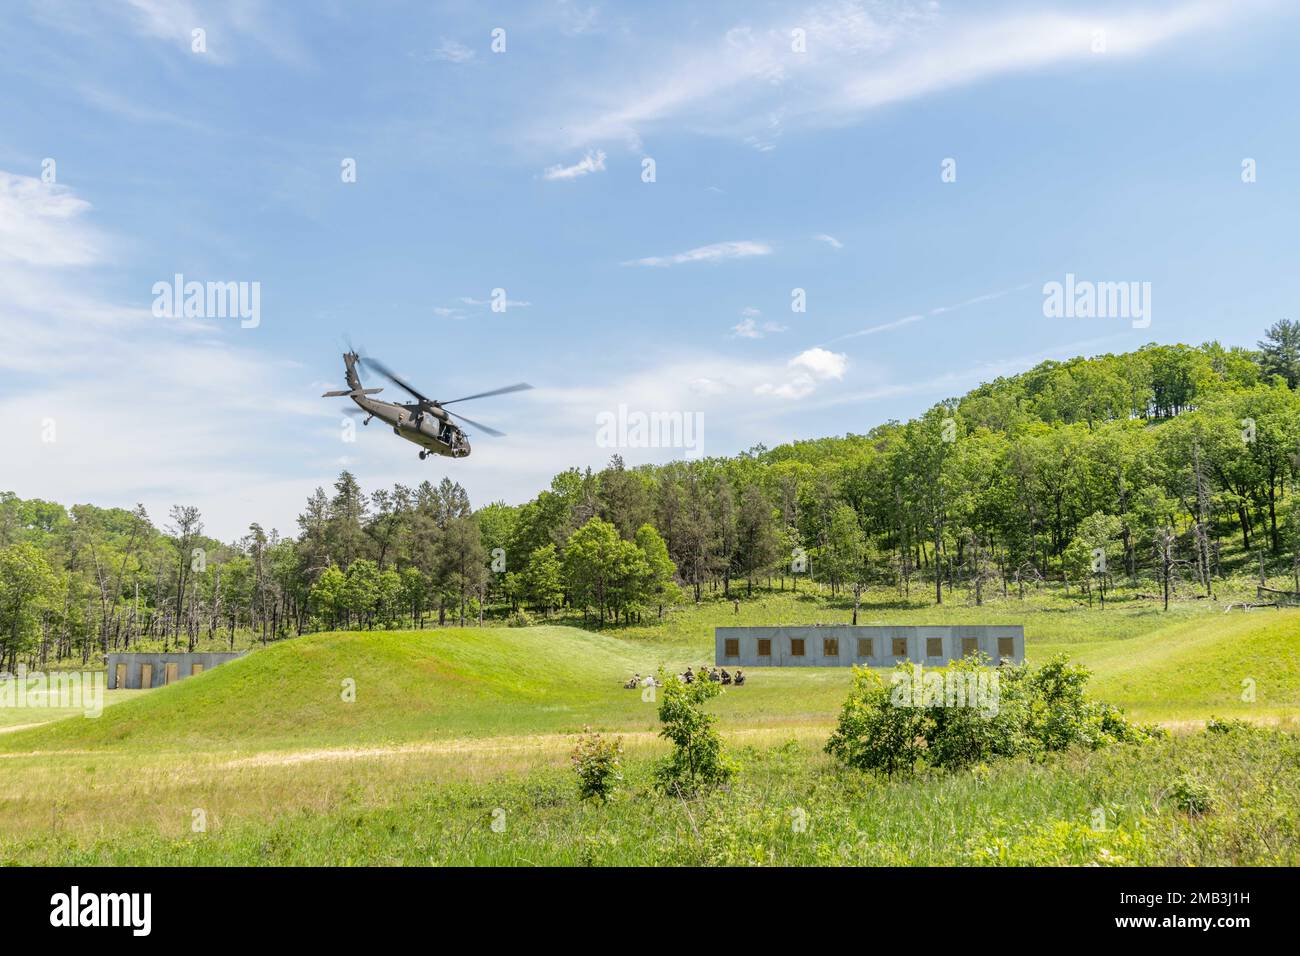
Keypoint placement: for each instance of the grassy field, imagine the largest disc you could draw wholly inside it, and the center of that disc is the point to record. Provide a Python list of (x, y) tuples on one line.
[(448, 727)]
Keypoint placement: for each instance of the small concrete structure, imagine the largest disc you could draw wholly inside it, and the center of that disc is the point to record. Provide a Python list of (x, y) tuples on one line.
[(869, 646), (136, 671)]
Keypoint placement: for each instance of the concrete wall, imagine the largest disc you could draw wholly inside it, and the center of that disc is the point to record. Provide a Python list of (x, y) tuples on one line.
[(880, 650), (184, 667)]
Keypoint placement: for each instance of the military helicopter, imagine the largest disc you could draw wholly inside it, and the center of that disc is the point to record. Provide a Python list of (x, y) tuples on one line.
[(425, 422)]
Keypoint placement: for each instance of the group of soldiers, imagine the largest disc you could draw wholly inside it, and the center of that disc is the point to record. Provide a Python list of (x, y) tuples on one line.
[(689, 677), (713, 673)]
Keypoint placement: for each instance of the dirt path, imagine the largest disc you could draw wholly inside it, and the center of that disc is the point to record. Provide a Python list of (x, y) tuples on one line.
[(495, 745), (10, 730)]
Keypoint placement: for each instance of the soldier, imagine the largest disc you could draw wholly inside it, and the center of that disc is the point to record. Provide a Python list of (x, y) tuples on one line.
[(688, 677), (740, 677), (726, 678)]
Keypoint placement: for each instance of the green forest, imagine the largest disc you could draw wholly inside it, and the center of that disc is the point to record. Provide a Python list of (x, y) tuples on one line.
[(1165, 473)]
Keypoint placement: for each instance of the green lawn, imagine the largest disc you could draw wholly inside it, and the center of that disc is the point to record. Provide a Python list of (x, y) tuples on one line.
[(790, 806), (16, 717), (449, 724)]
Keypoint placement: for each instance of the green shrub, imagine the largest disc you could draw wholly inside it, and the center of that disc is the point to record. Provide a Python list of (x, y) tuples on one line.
[(697, 762), (989, 723), (599, 765), (1191, 795), (969, 713), (1217, 725), (873, 732), (520, 618)]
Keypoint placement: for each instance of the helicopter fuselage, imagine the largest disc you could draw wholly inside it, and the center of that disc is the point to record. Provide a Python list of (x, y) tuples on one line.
[(427, 427), (423, 422)]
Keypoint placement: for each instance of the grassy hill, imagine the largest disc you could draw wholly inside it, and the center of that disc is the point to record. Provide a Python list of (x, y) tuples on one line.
[(449, 724), (1190, 669), (408, 685), (484, 682)]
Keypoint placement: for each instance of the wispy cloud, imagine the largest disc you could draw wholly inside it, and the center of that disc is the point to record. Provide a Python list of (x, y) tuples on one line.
[(486, 303), (829, 240), (593, 162), (453, 51), (224, 26), (749, 328), (129, 109), (861, 56), (204, 451), (41, 224), (717, 252), (918, 316), (468, 303)]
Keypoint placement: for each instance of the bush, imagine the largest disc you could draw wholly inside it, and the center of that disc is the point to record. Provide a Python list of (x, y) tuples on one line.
[(520, 618), (1217, 725), (969, 713), (975, 720), (598, 764), (697, 762), (873, 733), (1192, 796)]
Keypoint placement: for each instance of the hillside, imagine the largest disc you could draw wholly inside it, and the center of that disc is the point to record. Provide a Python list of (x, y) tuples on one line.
[(472, 682), (408, 685)]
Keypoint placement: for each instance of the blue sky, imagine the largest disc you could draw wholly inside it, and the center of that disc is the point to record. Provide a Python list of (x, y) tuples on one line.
[(1100, 139)]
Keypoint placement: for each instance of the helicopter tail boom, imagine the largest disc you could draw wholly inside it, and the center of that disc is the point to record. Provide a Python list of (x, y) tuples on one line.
[(354, 388)]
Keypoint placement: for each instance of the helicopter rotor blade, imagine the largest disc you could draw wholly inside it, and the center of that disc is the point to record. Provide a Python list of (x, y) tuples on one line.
[(480, 426), (392, 376), (517, 387)]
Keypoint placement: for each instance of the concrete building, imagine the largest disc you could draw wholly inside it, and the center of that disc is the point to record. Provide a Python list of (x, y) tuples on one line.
[(137, 671), (872, 646)]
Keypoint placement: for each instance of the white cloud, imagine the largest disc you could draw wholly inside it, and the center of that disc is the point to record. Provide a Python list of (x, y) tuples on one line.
[(40, 224), (593, 162), (225, 25), (809, 367), (821, 363), (937, 310), (861, 56), (714, 253), (829, 240), (156, 410), (882, 327), (707, 386), (485, 303), (576, 18), (750, 329), (453, 51), (165, 19)]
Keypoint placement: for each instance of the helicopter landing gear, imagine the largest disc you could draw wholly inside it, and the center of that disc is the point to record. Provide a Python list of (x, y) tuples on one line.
[(423, 455)]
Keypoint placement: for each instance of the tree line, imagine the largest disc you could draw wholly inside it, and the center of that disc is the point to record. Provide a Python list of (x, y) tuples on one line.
[(1171, 467)]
